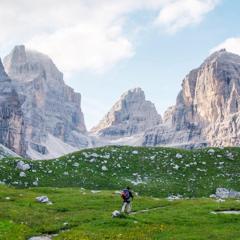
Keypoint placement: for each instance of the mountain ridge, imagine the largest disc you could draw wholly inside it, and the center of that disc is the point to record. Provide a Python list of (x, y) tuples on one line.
[(52, 111)]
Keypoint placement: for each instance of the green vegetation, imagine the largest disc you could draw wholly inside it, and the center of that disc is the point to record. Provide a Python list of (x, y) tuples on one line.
[(87, 215), (77, 213), (155, 172)]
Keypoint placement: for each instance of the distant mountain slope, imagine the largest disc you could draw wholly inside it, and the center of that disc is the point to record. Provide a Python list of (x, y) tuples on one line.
[(51, 109), (130, 116), (207, 110)]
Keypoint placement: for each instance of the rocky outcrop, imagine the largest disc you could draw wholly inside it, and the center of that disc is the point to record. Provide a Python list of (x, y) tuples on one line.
[(129, 116), (11, 117), (207, 107), (51, 109)]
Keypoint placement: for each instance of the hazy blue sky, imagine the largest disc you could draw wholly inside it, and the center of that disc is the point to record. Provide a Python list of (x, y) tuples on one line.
[(106, 47)]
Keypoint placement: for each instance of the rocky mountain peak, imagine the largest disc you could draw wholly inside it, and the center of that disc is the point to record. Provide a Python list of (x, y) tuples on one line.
[(134, 94), (132, 114), (51, 109), (207, 108), (26, 65), (222, 56), (18, 54)]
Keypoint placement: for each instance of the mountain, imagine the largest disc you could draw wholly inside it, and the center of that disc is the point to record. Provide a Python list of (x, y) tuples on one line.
[(41, 116), (54, 122), (207, 107), (11, 116), (130, 116)]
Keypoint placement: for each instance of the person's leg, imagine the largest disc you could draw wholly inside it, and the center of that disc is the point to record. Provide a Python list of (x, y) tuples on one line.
[(124, 207), (128, 207)]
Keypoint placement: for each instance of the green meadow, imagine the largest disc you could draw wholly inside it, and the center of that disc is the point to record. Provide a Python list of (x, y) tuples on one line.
[(84, 190)]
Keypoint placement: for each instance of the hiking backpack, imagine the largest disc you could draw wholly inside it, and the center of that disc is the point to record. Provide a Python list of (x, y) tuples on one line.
[(125, 194)]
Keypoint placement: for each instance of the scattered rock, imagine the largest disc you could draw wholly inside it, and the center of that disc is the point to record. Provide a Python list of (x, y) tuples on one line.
[(116, 213), (178, 155), (174, 197), (211, 151), (135, 152), (226, 212), (23, 166), (44, 199), (94, 155), (104, 168), (95, 191), (176, 167), (22, 174), (40, 238), (226, 193)]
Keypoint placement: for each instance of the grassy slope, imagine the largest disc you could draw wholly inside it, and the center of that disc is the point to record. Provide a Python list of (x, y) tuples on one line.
[(88, 216), (157, 171)]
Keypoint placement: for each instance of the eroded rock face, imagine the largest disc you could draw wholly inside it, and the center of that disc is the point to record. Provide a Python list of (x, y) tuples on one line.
[(131, 115), (207, 107), (11, 116), (50, 106)]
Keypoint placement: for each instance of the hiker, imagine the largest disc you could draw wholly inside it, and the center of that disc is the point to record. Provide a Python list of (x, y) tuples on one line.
[(127, 196)]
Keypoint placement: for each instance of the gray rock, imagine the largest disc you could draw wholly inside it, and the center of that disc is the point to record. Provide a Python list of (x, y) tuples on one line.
[(23, 166), (42, 199), (41, 238), (12, 127), (226, 193), (51, 109), (207, 110), (129, 116), (6, 152)]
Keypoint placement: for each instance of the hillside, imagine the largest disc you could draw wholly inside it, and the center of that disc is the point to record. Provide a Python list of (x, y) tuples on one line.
[(150, 171)]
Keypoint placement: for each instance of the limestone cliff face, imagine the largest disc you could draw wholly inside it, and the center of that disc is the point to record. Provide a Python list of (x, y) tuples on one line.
[(129, 116), (50, 108), (207, 107), (41, 117), (11, 116)]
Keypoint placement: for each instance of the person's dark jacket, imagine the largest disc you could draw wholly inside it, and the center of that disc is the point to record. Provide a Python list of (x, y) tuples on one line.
[(128, 200)]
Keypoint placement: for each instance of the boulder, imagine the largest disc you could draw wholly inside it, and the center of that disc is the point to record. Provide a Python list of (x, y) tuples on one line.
[(43, 199), (40, 238), (23, 166), (226, 193)]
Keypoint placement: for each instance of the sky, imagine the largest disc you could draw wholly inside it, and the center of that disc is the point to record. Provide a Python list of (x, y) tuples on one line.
[(106, 47)]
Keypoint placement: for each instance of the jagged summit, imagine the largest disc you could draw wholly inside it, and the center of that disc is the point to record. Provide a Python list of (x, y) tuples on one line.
[(26, 65), (136, 92), (222, 56), (130, 115)]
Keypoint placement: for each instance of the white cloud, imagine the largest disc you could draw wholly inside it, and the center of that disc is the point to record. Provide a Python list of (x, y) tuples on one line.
[(88, 34), (230, 44), (181, 13), (84, 46)]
